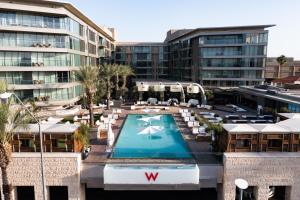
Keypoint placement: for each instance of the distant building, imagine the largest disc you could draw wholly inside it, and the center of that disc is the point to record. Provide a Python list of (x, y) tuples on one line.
[(287, 81), (272, 71), (269, 97), (149, 60), (214, 57)]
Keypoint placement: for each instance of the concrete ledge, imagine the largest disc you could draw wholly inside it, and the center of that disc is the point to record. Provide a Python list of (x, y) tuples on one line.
[(262, 155), (47, 155), (152, 187)]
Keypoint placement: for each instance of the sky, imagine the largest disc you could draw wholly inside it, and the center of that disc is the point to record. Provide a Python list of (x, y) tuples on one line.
[(149, 20)]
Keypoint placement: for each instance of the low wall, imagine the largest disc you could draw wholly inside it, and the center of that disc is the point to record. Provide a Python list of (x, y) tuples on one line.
[(262, 170), (60, 169)]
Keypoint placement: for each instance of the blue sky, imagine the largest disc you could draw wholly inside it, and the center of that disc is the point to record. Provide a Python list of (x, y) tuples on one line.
[(149, 20)]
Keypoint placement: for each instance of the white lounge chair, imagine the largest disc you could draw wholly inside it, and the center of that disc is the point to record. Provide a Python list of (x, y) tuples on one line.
[(132, 107), (195, 131), (201, 129), (110, 116), (105, 120), (180, 111), (190, 124), (185, 110), (115, 116), (196, 124), (183, 114), (188, 114), (186, 119), (192, 118), (119, 111)]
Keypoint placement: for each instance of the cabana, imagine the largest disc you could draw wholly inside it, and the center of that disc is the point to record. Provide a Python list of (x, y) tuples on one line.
[(56, 138)]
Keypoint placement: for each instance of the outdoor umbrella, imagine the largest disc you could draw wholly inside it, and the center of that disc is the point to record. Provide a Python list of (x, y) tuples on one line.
[(151, 130)]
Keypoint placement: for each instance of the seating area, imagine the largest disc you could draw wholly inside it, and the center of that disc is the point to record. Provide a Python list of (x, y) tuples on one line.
[(190, 118)]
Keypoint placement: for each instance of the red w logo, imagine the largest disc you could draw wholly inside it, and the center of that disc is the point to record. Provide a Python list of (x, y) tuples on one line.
[(151, 176)]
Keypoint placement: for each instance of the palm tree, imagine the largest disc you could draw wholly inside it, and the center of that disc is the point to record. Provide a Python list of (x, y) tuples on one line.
[(88, 76), (281, 60), (10, 119), (125, 71), (3, 86), (107, 72), (83, 135)]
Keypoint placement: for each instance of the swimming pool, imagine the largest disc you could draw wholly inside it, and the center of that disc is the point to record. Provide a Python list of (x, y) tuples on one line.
[(150, 136)]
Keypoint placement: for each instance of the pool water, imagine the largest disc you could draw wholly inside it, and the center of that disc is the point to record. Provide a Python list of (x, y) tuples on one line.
[(163, 140)]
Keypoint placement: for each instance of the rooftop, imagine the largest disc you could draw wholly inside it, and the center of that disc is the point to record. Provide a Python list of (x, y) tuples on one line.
[(186, 32), (286, 126), (276, 93), (103, 30)]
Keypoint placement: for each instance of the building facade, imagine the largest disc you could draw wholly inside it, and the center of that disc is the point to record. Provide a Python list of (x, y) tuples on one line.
[(43, 43), (149, 60), (219, 57), (274, 71), (214, 57)]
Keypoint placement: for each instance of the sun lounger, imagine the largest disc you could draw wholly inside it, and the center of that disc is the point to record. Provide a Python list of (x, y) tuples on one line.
[(110, 116), (180, 111), (132, 107), (116, 116), (185, 110), (196, 123), (204, 113), (186, 119), (192, 118), (201, 129), (183, 104), (190, 124), (188, 114), (195, 131), (105, 120), (119, 111)]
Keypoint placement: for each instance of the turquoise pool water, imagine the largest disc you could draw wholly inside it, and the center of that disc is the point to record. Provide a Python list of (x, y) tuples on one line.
[(157, 138)]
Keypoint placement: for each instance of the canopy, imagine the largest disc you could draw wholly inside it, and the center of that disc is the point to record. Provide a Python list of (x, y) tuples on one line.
[(110, 136), (148, 119), (151, 130), (147, 110)]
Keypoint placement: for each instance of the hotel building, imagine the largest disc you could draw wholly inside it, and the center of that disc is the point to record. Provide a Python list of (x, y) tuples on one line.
[(213, 57), (43, 43), (149, 60)]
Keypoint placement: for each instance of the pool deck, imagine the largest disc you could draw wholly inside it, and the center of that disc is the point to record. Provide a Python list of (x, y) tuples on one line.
[(201, 151)]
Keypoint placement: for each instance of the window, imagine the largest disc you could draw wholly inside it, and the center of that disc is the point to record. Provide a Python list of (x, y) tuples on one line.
[(274, 143), (25, 193), (92, 36), (27, 143), (243, 143), (58, 193)]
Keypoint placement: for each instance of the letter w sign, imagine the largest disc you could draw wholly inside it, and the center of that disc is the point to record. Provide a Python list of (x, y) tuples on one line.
[(151, 176)]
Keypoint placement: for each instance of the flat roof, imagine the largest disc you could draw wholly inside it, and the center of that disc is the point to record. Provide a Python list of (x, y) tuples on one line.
[(48, 128), (140, 44), (74, 11), (290, 115), (286, 126), (288, 96), (223, 28), (239, 128)]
